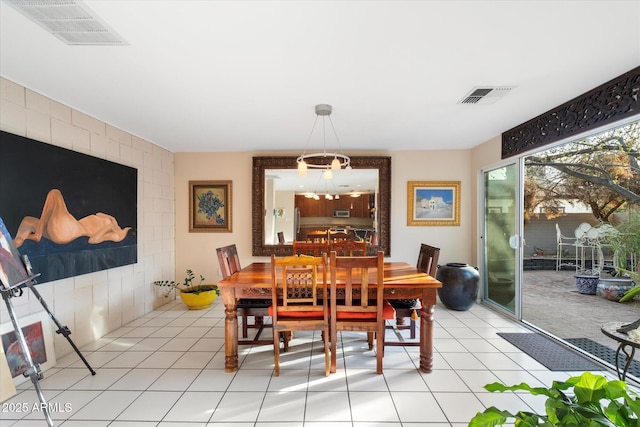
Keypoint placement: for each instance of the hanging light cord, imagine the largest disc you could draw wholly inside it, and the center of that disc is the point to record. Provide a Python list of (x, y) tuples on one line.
[(336, 135), (310, 135)]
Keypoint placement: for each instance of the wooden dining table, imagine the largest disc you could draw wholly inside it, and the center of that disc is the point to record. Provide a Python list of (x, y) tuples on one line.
[(401, 281)]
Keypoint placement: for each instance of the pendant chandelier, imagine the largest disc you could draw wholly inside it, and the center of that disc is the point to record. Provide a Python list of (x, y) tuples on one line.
[(327, 161)]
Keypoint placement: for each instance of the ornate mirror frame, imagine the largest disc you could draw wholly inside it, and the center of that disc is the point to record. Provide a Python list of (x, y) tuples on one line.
[(260, 164)]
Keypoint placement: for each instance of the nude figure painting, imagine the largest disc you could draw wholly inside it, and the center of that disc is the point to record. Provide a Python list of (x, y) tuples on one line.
[(70, 212)]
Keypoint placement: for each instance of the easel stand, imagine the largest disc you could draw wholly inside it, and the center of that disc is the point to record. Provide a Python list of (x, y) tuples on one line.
[(62, 330), (33, 369)]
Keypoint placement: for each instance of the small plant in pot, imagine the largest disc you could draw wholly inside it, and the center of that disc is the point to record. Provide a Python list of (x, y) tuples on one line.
[(194, 295)]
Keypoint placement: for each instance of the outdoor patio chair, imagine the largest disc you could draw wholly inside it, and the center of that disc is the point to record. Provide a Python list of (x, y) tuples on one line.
[(561, 242)]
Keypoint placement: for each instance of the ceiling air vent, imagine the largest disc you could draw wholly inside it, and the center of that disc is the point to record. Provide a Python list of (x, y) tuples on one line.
[(486, 94), (69, 20)]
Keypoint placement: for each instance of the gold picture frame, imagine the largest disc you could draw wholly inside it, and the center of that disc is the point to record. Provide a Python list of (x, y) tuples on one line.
[(433, 203), (210, 206)]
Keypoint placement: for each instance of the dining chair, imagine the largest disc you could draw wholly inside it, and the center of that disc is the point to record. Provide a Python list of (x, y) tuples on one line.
[(427, 263), (348, 247), (296, 304), (318, 236), (310, 248), (338, 236), (360, 307), (247, 307), (373, 238)]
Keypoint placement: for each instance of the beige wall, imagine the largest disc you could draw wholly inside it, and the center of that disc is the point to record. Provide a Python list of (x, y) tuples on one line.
[(197, 250), (94, 304)]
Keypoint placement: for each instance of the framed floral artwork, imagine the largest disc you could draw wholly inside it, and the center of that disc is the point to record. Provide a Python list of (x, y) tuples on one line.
[(433, 203), (209, 206)]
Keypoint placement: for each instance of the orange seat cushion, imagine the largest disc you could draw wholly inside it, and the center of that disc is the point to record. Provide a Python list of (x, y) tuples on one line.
[(388, 313), (312, 314)]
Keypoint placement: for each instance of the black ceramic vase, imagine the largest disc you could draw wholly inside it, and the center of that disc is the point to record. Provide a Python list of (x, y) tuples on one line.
[(459, 285)]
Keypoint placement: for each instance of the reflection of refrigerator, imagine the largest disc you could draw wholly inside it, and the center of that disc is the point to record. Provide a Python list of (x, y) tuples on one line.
[(296, 223)]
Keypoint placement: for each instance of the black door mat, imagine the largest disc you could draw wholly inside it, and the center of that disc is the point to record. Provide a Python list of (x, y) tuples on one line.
[(549, 353), (605, 353)]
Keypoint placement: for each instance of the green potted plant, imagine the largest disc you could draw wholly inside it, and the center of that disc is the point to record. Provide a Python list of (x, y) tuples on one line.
[(195, 295), (587, 400), (624, 240)]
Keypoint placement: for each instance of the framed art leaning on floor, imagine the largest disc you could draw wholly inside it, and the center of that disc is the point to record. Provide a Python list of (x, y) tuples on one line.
[(37, 331)]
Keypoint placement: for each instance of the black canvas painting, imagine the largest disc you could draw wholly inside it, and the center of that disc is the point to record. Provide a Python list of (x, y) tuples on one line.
[(71, 213)]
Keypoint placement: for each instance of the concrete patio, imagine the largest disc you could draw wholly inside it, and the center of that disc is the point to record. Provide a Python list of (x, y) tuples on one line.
[(552, 303)]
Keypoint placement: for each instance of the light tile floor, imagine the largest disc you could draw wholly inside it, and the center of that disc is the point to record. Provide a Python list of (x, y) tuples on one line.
[(167, 369)]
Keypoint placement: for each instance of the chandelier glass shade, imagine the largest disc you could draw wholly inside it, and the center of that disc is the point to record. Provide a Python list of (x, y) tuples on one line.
[(324, 160)]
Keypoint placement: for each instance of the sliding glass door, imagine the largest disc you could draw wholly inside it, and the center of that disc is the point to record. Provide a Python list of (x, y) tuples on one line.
[(501, 239)]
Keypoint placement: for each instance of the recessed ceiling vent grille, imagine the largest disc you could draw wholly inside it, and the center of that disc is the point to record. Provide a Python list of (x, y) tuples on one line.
[(69, 20), (486, 94)]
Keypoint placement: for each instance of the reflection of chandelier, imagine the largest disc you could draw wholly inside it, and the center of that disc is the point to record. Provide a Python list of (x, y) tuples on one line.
[(327, 194), (321, 160)]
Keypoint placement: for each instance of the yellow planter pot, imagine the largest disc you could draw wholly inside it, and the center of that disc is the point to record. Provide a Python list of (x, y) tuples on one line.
[(198, 301)]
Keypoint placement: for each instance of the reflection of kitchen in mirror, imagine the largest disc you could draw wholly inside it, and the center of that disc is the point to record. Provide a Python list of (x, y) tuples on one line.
[(301, 207)]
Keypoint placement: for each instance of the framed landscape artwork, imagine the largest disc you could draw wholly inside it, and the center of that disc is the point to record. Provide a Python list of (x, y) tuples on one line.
[(433, 203), (210, 206)]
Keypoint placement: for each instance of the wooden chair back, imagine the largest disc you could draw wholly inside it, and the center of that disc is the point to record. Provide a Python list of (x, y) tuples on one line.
[(296, 277), (373, 238), (310, 248), (428, 259), (338, 236), (296, 303), (362, 307), (318, 236), (349, 247), (228, 260)]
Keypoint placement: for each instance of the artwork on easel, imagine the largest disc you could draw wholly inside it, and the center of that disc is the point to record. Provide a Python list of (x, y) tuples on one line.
[(12, 270)]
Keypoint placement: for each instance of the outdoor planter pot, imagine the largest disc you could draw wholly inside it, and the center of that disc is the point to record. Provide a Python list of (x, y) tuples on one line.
[(586, 283), (613, 288)]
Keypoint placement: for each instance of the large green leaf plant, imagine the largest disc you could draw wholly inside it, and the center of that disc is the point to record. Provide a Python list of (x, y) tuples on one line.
[(588, 400), (624, 239)]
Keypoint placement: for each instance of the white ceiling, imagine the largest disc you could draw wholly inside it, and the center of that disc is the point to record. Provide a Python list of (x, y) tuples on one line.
[(356, 181), (246, 75)]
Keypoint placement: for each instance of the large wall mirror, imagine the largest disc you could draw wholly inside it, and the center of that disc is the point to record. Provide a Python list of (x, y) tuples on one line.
[(363, 209)]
